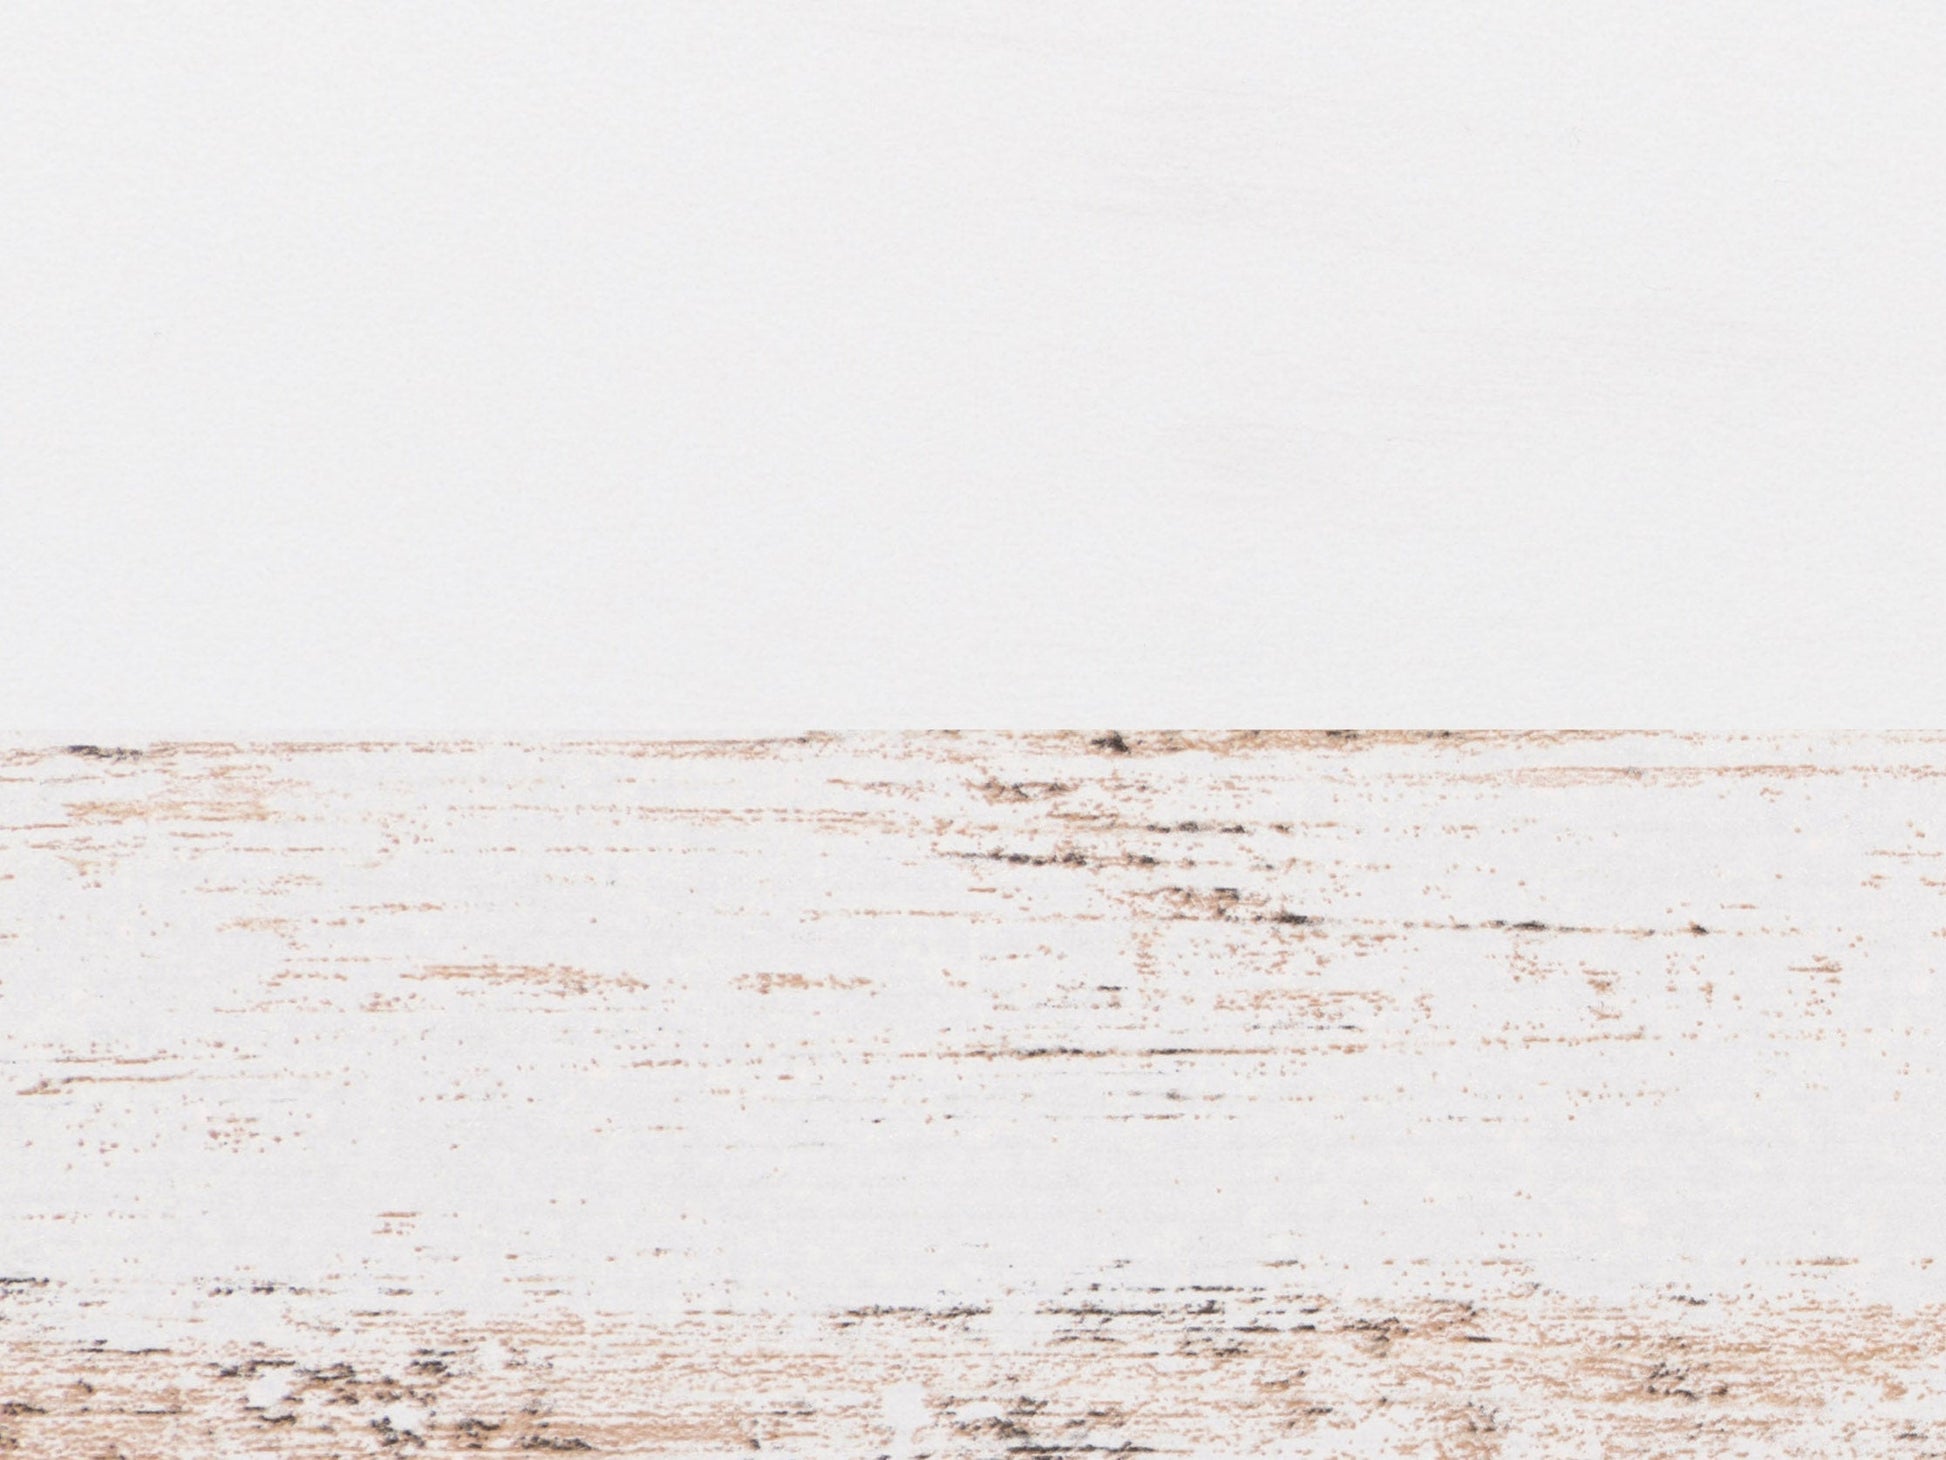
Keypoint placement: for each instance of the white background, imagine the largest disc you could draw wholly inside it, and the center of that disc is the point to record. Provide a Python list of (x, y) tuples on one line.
[(720, 367)]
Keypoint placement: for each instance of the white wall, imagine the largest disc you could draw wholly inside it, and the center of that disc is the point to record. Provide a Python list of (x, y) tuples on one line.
[(720, 366)]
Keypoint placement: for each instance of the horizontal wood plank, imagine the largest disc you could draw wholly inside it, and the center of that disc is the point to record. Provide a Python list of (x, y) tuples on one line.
[(974, 1094)]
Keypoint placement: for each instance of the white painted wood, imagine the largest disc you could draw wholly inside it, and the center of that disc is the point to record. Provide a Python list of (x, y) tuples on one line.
[(967, 1094)]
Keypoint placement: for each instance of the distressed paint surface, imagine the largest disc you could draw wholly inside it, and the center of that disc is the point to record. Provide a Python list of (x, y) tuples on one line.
[(963, 1095)]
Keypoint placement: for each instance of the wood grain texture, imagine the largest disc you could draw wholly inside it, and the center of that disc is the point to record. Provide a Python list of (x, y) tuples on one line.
[(972, 1095)]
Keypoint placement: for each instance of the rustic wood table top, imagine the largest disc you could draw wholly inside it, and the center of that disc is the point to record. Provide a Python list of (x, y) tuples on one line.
[(976, 1094)]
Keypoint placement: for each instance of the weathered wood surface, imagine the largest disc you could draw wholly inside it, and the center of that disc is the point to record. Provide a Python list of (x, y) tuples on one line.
[(967, 1095)]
